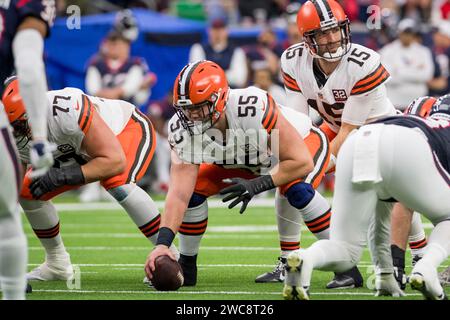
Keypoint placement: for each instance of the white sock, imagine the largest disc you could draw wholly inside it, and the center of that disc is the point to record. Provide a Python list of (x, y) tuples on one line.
[(438, 247), (289, 224), (417, 238), (44, 220), (13, 258), (192, 229), (317, 216)]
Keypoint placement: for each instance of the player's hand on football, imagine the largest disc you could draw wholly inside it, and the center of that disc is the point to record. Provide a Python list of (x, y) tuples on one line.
[(240, 191), (41, 157), (159, 250)]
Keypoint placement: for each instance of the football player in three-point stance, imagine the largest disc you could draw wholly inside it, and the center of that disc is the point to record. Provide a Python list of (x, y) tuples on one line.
[(374, 169), (342, 81), (23, 25), (96, 140), (221, 133)]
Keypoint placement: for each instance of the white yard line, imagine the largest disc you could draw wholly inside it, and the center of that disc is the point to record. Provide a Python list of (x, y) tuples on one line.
[(154, 292)]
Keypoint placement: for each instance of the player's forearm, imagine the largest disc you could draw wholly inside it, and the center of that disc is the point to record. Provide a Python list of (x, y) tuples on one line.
[(289, 170), (101, 168), (28, 48), (337, 142), (173, 214)]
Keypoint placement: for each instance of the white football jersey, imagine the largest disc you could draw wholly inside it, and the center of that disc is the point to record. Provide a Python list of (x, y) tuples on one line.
[(353, 93), (70, 117), (251, 115)]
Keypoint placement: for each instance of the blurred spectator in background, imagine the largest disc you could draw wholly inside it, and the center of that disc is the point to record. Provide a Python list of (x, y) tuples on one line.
[(410, 65), (418, 10), (260, 11), (160, 112), (232, 59), (351, 8), (114, 74), (440, 84), (267, 52), (293, 36), (445, 10), (263, 78), (226, 9)]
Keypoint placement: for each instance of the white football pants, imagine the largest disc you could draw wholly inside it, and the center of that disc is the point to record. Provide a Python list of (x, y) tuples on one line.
[(379, 162)]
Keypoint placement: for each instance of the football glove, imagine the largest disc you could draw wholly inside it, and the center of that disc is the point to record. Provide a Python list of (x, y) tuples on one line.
[(41, 157), (56, 178), (243, 190)]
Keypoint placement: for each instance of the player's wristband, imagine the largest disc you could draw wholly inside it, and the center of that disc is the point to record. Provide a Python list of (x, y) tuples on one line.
[(262, 183), (73, 175), (165, 237)]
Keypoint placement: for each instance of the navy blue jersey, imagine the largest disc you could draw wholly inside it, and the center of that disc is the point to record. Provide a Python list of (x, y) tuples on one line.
[(113, 77), (437, 131), (12, 14)]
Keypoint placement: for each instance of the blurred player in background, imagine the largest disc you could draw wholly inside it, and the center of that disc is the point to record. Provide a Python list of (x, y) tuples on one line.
[(23, 25), (114, 74), (403, 159), (96, 139)]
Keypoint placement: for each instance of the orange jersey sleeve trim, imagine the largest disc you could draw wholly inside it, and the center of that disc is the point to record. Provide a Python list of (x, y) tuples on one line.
[(372, 81), (270, 117), (290, 82), (86, 114)]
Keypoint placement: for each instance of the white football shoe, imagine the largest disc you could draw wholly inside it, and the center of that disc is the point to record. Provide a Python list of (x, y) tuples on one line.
[(387, 285), (57, 269), (293, 289), (424, 278)]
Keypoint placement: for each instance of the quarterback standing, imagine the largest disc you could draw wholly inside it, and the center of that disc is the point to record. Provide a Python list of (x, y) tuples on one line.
[(342, 81)]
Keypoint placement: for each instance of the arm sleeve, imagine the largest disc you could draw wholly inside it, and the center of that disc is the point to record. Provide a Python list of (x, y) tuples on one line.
[(359, 108), (196, 53), (296, 101), (294, 96), (93, 81), (28, 49), (237, 73)]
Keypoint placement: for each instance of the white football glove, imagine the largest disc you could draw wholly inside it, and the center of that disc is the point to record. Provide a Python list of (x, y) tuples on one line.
[(41, 157), (386, 285)]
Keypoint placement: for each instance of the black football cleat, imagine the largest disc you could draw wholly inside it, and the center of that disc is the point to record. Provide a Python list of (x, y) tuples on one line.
[(346, 280), (189, 266), (29, 289), (276, 275)]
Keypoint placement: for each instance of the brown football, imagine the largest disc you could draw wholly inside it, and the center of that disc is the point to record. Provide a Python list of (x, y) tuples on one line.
[(168, 275)]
